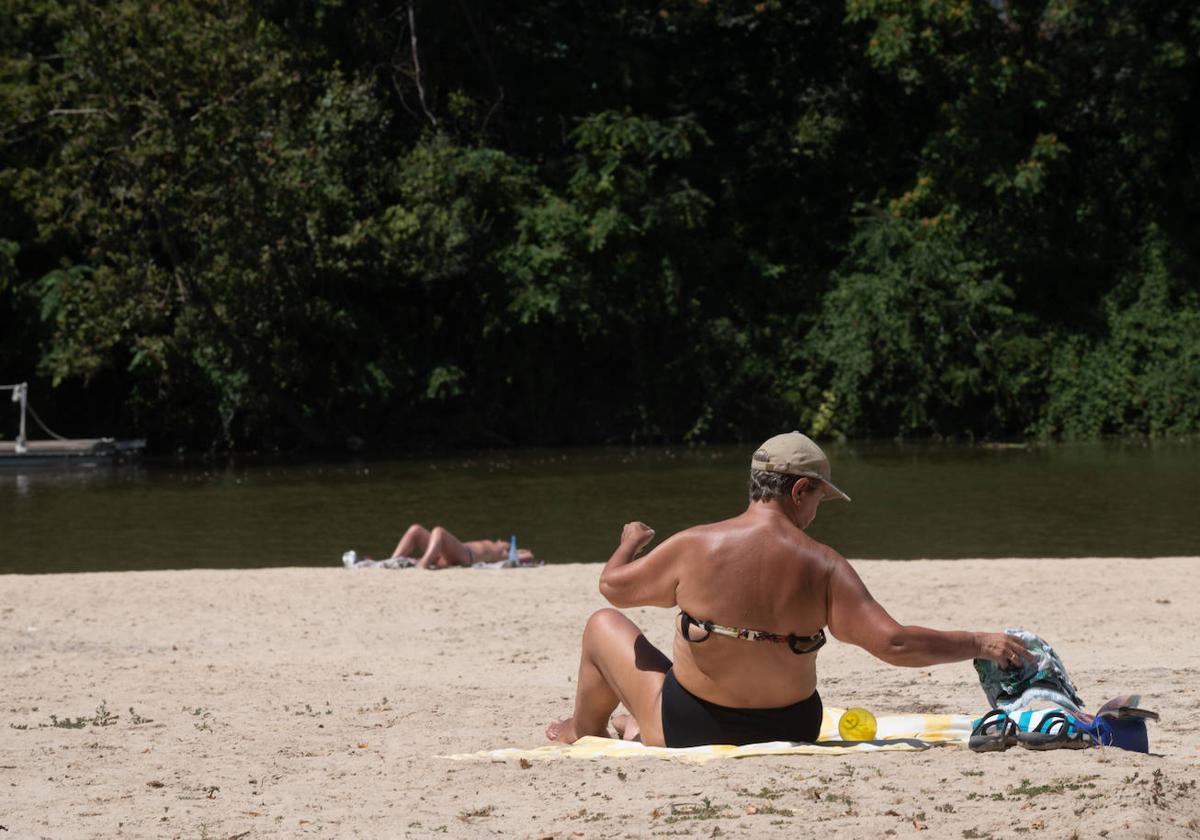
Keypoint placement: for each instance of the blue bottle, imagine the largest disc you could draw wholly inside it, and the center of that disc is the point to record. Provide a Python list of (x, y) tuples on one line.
[(512, 551)]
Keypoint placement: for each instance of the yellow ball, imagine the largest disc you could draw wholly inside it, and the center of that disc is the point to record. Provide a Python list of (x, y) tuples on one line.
[(857, 725)]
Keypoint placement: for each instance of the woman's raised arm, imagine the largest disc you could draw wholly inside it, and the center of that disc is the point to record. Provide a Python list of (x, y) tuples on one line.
[(648, 582)]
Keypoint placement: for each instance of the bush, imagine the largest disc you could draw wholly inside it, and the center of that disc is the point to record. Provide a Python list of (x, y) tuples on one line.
[(918, 336), (1140, 374)]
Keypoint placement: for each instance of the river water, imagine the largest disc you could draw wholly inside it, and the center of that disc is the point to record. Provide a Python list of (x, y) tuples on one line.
[(910, 501)]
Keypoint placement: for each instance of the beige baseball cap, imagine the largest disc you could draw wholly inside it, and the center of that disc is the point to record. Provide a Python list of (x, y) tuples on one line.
[(796, 454)]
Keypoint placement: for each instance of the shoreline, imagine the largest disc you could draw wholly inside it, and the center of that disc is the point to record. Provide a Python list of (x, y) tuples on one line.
[(333, 564), (278, 702)]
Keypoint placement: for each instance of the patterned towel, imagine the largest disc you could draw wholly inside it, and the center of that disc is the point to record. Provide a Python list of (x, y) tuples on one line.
[(1044, 680), (894, 733)]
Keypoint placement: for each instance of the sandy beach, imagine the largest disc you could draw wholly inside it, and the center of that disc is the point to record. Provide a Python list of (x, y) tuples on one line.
[(313, 702)]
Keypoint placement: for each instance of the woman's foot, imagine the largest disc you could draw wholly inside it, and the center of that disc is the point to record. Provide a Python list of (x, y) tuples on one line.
[(562, 731), (627, 728)]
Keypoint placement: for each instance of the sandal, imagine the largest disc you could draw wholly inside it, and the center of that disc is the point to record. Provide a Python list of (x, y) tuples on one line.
[(996, 732), (1056, 731)]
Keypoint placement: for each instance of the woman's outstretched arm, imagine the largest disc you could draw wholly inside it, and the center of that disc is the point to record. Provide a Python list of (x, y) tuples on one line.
[(857, 618)]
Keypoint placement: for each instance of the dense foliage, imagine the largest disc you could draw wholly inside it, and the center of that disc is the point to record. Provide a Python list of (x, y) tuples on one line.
[(264, 224)]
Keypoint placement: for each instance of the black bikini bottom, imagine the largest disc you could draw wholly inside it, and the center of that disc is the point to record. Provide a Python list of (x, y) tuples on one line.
[(689, 721)]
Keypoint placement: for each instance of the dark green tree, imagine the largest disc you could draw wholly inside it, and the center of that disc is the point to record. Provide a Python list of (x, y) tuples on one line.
[(206, 191)]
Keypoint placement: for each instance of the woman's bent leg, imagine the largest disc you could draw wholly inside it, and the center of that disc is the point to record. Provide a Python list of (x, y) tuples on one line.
[(444, 550), (617, 665), (413, 543)]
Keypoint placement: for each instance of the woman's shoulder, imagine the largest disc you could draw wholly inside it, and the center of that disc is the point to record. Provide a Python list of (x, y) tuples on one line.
[(734, 527)]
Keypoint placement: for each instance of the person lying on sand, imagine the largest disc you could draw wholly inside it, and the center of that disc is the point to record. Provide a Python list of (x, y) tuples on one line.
[(439, 549), (755, 594)]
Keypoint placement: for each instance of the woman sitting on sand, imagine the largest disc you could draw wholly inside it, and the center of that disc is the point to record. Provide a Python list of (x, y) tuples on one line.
[(755, 594), (439, 549)]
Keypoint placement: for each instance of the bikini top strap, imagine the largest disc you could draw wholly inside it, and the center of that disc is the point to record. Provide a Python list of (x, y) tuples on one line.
[(686, 621), (806, 644)]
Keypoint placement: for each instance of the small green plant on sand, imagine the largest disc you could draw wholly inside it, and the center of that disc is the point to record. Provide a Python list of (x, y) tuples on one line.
[(103, 716), (588, 816), (702, 810), (205, 717), (765, 792), (839, 797), (68, 723), (1056, 786), (771, 810), (486, 811)]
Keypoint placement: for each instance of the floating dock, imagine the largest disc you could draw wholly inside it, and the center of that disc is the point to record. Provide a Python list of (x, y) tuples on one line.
[(38, 450), (23, 450)]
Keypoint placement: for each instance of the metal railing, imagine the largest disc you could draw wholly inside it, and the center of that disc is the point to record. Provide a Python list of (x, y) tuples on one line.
[(20, 394)]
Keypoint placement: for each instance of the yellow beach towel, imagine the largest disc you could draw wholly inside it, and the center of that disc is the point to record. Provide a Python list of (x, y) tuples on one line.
[(894, 733)]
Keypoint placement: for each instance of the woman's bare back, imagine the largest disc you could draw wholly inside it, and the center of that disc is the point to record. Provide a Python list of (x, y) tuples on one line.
[(755, 573)]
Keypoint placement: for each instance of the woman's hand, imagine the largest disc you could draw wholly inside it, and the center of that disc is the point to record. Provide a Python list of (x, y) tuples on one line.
[(1006, 651), (637, 535)]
